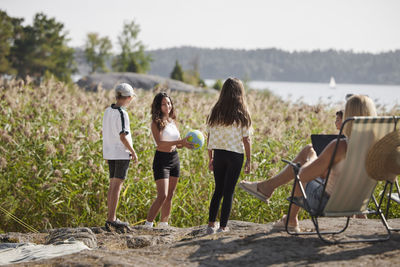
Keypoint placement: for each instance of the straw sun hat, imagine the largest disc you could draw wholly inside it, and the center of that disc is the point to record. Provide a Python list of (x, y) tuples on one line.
[(383, 159)]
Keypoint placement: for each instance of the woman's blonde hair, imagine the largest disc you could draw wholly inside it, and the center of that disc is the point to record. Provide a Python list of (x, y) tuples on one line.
[(357, 105), (231, 107)]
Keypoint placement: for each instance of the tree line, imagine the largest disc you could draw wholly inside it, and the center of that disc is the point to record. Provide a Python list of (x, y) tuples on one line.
[(41, 49), (278, 65), (36, 50)]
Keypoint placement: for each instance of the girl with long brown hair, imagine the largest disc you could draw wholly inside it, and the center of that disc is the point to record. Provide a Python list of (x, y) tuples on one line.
[(228, 127)]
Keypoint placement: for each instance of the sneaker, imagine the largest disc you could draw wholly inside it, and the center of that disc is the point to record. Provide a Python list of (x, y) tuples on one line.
[(117, 224), (212, 230), (162, 225), (223, 230), (148, 224)]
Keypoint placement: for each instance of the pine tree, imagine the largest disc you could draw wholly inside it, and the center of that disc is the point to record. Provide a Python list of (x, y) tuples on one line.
[(177, 72), (217, 85)]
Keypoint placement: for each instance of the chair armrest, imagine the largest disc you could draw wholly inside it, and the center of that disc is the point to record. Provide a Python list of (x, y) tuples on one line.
[(296, 166)]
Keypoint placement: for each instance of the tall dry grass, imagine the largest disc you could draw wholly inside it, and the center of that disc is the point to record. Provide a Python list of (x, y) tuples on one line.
[(53, 174)]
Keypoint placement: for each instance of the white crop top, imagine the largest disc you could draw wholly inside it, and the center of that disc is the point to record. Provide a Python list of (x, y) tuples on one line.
[(170, 132)]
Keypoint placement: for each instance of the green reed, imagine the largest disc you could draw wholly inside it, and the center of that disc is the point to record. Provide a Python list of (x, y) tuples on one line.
[(53, 174)]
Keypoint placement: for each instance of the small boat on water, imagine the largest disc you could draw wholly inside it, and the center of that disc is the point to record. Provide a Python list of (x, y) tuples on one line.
[(332, 83)]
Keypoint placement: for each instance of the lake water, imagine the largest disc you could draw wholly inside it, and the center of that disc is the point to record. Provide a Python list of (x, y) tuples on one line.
[(387, 96)]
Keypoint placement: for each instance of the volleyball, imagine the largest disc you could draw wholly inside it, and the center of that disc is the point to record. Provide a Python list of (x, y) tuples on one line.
[(197, 138)]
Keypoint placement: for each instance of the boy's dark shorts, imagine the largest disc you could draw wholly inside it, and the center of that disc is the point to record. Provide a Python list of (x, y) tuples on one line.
[(118, 168)]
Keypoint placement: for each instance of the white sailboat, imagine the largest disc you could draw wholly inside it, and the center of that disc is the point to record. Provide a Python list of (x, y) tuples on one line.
[(332, 83)]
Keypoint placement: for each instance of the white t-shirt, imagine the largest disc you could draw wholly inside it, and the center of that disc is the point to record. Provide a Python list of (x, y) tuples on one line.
[(115, 122)]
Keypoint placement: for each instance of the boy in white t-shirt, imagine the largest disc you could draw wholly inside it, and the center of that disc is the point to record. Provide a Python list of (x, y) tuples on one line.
[(117, 148)]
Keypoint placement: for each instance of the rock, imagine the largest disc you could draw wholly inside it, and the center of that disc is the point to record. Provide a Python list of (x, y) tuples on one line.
[(246, 244), (119, 230), (83, 234), (97, 230), (139, 241), (157, 230), (10, 238), (10, 245), (22, 238), (143, 81)]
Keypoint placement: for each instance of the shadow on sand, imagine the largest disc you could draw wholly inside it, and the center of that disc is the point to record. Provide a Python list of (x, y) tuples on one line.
[(267, 248)]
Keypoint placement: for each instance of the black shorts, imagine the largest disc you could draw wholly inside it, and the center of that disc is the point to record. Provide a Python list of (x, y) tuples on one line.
[(118, 168), (166, 164)]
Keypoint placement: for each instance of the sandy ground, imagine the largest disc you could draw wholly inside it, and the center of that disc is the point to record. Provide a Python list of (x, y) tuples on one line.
[(247, 244)]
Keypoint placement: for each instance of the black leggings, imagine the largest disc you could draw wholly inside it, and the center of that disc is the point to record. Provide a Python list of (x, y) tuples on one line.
[(227, 166)]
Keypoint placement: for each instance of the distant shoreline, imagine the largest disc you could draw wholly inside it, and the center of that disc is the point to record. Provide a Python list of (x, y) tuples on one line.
[(387, 96), (273, 64)]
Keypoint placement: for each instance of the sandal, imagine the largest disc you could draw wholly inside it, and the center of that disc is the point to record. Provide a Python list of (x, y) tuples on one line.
[(281, 226), (251, 188)]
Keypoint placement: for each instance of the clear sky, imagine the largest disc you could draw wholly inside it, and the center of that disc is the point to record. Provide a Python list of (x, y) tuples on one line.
[(360, 25)]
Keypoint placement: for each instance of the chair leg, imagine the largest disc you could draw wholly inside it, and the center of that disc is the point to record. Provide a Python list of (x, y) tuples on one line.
[(314, 219), (383, 195), (389, 200), (321, 234), (383, 219)]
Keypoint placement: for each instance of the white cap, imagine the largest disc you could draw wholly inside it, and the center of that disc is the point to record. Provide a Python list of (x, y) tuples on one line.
[(125, 90)]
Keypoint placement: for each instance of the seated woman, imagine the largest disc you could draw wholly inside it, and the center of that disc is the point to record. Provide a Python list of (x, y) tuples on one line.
[(263, 190), (313, 167)]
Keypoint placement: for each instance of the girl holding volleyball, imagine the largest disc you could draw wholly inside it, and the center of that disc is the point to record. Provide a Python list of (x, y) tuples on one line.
[(228, 127), (166, 160)]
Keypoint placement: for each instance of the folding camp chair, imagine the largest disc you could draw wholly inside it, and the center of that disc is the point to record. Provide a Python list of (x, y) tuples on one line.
[(354, 188)]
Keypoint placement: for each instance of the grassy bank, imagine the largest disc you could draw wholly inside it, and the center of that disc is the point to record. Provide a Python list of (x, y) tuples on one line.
[(53, 174)]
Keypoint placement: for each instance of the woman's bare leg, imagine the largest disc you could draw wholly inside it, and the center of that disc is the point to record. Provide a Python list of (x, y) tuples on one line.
[(166, 207), (293, 217), (162, 192), (306, 156)]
